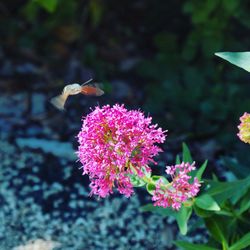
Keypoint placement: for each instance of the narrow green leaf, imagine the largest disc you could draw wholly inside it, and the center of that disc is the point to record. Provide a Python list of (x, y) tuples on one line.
[(207, 202), (215, 227), (182, 218), (177, 160), (241, 243), (245, 203), (214, 177), (186, 155), (191, 246), (201, 170), (240, 59), (222, 191)]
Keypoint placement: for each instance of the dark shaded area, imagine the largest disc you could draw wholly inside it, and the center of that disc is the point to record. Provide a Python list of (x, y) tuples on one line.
[(157, 56)]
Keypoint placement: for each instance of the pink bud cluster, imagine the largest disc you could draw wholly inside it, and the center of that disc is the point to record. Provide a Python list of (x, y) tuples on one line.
[(115, 143), (179, 190), (244, 128)]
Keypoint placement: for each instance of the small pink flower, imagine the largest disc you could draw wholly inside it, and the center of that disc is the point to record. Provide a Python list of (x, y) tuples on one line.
[(179, 190), (244, 128), (114, 143)]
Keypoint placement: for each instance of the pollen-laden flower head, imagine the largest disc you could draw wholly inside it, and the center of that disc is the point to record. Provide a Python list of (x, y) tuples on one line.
[(244, 128), (114, 143), (179, 190)]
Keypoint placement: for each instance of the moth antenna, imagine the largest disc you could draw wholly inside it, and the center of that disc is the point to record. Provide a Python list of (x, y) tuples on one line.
[(85, 83)]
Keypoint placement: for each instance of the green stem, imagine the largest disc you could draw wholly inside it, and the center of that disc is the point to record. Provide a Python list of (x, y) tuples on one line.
[(149, 180)]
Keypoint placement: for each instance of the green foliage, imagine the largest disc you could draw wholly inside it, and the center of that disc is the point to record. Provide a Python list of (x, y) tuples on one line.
[(183, 215), (136, 181), (150, 188), (186, 155), (199, 172), (158, 210), (222, 191), (184, 79), (240, 59), (242, 243), (224, 208), (191, 92), (207, 202), (191, 246), (182, 218), (49, 5), (181, 80), (218, 229)]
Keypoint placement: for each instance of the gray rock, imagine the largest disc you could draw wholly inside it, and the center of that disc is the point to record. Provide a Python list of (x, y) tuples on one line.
[(57, 148)]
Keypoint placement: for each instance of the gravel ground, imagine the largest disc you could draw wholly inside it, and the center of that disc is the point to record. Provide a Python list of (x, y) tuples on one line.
[(43, 194)]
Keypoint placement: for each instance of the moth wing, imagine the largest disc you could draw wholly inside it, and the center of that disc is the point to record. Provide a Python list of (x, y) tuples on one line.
[(59, 101), (99, 90), (92, 89)]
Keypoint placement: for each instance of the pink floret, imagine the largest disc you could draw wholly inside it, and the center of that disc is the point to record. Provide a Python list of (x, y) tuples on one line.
[(180, 189)]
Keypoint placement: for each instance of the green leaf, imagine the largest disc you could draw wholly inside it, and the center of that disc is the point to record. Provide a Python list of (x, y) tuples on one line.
[(207, 202), (241, 243), (245, 203), (49, 5), (186, 153), (201, 170), (214, 177), (156, 178), (150, 188), (177, 160), (182, 217), (136, 181), (240, 59), (159, 210), (222, 191), (201, 212), (215, 225), (191, 246)]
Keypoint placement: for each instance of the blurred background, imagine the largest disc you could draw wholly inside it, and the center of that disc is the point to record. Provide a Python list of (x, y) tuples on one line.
[(157, 56)]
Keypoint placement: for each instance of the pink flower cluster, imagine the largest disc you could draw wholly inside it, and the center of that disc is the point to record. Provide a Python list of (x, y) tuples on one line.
[(244, 128), (114, 143), (179, 190)]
